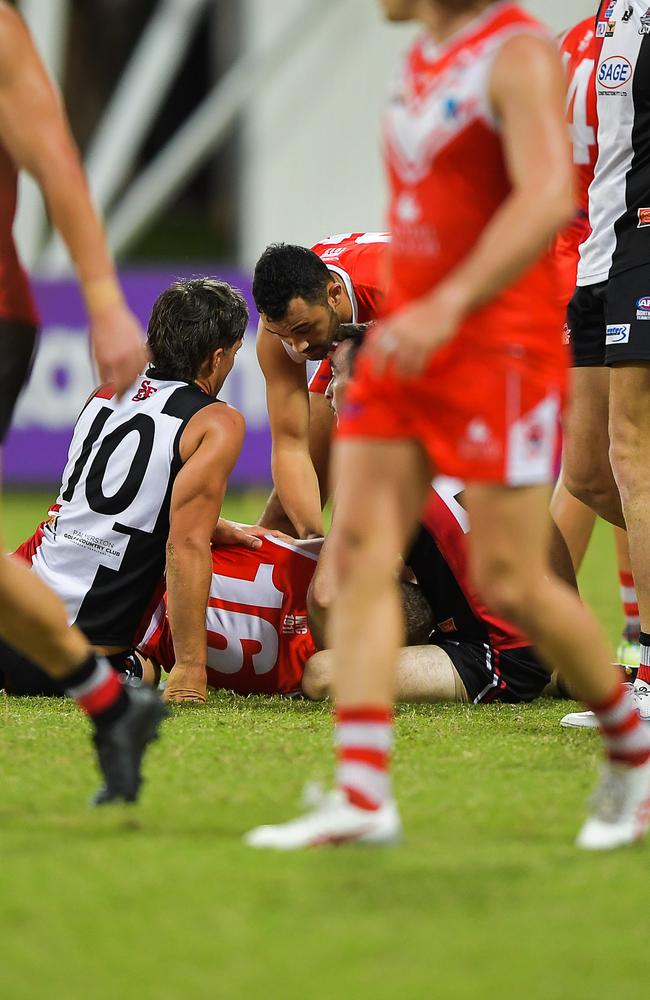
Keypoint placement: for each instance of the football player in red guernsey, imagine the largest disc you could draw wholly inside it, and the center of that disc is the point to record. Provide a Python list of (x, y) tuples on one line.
[(35, 136), (466, 378), (302, 295)]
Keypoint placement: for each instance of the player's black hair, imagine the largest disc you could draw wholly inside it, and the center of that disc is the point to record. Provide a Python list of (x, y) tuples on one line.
[(286, 272), (190, 320), (418, 616)]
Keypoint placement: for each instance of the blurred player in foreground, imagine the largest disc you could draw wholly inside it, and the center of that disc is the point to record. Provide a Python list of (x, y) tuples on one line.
[(302, 296), (35, 136), (146, 478), (465, 378)]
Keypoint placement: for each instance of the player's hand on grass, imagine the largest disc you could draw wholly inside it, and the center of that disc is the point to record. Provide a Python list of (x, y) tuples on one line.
[(409, 339), (118, 346), (249, 535), (187, 683)]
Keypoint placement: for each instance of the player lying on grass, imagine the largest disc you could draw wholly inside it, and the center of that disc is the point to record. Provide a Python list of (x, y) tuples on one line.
[(258, 635), (302, 296), (144, 484)]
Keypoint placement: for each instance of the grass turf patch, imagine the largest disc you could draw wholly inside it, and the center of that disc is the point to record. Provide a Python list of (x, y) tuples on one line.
[(485, 898)]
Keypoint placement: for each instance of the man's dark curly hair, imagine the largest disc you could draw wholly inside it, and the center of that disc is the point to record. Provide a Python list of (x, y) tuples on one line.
[(286, 272), (190, 320)]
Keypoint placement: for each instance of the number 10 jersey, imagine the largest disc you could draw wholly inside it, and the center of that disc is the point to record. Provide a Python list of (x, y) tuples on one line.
[(103, 550)]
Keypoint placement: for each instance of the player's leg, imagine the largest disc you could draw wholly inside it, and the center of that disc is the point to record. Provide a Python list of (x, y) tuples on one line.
[(381, 486), (630, 454), (508, 559), (586, 469), (628, 651), (574, 520), (424, 674)]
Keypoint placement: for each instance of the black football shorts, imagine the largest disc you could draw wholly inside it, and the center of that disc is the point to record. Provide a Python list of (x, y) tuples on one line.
[(610, 322)]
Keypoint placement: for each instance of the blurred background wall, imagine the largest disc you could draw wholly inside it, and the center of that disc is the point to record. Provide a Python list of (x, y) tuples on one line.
[(209, 128)]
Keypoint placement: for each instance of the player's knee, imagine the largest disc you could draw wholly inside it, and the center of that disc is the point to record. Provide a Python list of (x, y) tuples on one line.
[(317, 678), (629, 454), (592, 489)]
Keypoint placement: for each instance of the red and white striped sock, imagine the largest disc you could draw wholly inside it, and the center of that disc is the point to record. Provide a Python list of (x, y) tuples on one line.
[(364, 737), (96, 688), (626, 737), (630, 604)]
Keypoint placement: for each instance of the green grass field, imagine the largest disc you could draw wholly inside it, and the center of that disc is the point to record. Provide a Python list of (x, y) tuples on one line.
[(486, 898)]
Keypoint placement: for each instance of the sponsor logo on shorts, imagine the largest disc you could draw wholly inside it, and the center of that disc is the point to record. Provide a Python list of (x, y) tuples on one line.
[(566, 334), (449, 625), (643, 307), (617, 333), (613, 73), (644, 218)]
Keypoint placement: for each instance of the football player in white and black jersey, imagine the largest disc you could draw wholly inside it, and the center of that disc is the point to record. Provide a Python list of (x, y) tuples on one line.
[(144, 483), (608, 436)]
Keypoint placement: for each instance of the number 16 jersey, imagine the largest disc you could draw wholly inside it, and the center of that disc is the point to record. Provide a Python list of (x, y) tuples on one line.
[(103, 550)]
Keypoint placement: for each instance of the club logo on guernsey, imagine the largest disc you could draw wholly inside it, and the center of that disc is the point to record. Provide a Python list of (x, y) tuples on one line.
[(614, 72), (617, 333), (643, 307), (645, 23)]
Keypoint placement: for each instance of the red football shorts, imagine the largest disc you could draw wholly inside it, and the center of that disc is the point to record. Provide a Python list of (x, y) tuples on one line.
[(482, 413)]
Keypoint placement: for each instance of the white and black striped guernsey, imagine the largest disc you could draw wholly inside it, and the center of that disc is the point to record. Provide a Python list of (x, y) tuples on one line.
[(619, 196), (104, 550)]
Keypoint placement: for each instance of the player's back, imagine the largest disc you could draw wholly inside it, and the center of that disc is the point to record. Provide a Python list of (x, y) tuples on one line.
[(447, 170), (104, 551), (256, 619), (361, 261)]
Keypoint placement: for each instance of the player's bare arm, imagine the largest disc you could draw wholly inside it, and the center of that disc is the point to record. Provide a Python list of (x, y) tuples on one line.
[(48, 152), (209, 447), (320, 434), (287, 397), (527, 95)]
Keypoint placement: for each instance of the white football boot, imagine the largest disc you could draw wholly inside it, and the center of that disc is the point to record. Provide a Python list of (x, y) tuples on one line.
[(620, 808), (588, 720), (579, 720), (333, 820), (641, 692)]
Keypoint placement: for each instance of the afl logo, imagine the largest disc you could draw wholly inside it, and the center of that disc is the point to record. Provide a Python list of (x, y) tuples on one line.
[(644, 303), (614, 72)]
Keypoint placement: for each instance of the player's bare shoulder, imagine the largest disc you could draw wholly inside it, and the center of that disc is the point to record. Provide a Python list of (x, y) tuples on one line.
[(218, 424)]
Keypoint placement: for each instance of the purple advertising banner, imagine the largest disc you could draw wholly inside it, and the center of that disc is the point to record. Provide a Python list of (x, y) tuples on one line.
[(63, 377)]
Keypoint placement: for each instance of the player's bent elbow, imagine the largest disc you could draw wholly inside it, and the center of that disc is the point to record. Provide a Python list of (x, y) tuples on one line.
[(317, 677)]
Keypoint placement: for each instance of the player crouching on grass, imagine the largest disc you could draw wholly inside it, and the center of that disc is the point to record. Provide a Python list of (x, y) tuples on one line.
[(144, 484)]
